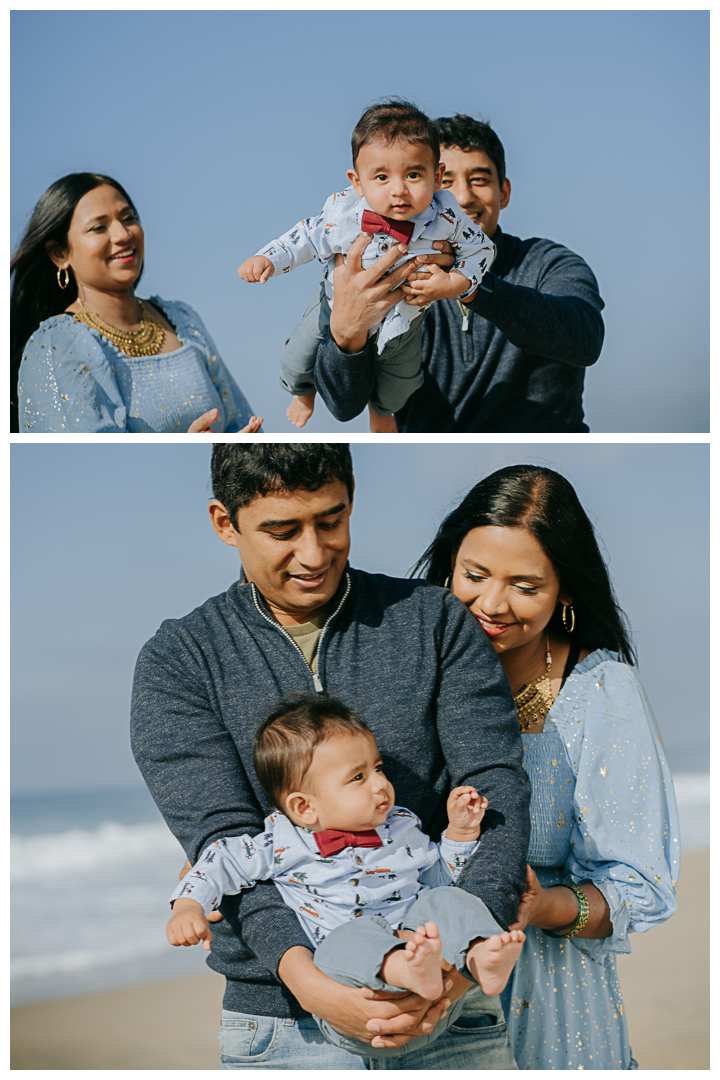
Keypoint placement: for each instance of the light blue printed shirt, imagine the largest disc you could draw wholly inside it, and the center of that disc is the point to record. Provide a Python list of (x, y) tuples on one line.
[(325, 893), (333, 231)]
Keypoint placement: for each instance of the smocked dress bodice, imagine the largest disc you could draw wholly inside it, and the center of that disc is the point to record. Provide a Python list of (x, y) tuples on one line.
[(551, 802)]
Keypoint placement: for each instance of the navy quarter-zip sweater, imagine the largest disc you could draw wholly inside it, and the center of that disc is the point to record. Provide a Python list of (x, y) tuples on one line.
[(410, 658), (516, 362)]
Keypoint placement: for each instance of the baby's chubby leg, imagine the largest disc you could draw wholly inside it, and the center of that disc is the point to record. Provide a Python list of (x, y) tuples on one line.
[(417, 966), (382, 425), (491, 961), (301, 409)]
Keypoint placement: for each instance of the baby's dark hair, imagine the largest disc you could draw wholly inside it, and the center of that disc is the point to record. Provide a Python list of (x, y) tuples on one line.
[(285, 742), (392, 119)]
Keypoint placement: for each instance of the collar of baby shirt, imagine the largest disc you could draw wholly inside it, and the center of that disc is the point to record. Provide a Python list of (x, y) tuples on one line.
[(420, 221)]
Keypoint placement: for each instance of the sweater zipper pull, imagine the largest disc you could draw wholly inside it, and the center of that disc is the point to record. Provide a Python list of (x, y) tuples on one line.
[(317, 683), (466, 316)]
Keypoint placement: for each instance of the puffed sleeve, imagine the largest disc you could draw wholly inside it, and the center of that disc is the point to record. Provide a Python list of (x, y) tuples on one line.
[(192, 330), (66, 382), (625, 839)]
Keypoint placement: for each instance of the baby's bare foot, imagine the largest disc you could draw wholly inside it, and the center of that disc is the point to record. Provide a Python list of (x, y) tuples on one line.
[(491, 961), (301, 409), (381, 425), (417, 966)]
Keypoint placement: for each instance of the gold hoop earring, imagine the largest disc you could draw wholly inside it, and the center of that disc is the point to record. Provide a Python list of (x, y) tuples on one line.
[(446, 583), (67, 277), (571, 627)]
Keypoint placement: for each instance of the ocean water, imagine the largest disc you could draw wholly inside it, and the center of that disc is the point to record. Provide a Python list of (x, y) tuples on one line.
[(91, 873)]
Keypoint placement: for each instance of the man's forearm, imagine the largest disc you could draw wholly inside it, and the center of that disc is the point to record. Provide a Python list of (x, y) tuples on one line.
[(343, 380), (565, 328)]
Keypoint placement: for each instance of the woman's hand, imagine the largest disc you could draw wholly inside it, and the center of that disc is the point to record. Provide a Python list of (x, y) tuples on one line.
[(556, 909), (203, 424), (253, 425), (529, 901), (359, 1013)]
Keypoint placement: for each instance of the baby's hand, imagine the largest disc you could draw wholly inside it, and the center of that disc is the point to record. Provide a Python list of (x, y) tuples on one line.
[(436, 284), (258, 268), (466, 810), (188, 924)]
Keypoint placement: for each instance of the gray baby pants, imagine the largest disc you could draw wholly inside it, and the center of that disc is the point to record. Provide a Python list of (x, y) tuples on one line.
[(353, 954), (397, 369)]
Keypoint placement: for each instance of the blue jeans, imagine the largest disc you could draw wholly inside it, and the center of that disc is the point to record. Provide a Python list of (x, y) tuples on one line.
[(477, 1039)]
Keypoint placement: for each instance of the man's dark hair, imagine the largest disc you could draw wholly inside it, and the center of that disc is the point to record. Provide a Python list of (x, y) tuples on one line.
[(468, 135), (286, 740), (544, 503), (392, 119), (242, 471)]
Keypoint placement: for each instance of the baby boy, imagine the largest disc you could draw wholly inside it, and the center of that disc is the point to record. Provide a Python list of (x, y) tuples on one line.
[(354, 867), (396, 197)]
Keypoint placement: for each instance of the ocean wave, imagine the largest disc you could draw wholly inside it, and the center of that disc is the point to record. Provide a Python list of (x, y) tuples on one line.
[(691, 789), (68, 963), (111, 844)]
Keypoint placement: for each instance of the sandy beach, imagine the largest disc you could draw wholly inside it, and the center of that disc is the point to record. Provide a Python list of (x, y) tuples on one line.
[(173, 1024)]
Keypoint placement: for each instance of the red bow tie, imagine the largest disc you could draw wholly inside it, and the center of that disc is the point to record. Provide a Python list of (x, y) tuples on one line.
[(330, 841), (399, 230)]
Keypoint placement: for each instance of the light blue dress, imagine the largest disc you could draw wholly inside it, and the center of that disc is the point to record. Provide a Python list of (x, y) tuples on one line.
[(602, 810), (73, 379)]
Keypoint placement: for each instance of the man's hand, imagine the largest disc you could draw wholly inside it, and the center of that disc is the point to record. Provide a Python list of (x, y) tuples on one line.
[(188, 925), (364, 297), (258, 268), (455, 986), (359, 1013)]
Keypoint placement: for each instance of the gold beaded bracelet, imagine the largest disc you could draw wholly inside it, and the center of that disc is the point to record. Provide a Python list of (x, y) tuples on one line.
[(583, 911)]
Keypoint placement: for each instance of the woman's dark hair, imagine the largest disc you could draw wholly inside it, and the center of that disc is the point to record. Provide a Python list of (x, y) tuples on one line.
[(242, 471), (286, 740), (545, 504), (35, 294)]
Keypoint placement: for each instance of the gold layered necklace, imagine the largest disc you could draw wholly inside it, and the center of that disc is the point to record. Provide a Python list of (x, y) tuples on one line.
[(147, 341), (534, 700)]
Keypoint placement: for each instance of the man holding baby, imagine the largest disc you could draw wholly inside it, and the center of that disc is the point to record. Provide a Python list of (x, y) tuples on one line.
[(404, 654), (510, 357)]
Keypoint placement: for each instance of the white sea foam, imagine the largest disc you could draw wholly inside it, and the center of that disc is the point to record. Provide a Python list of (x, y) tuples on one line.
[(109, 889), (80, 850), (78, 960)]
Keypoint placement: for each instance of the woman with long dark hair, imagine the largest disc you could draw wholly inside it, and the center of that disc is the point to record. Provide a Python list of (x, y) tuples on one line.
[(521, 553), (85, 353)]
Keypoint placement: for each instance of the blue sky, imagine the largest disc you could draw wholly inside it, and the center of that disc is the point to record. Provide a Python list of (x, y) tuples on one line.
[(227, 127), (110, 539)]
